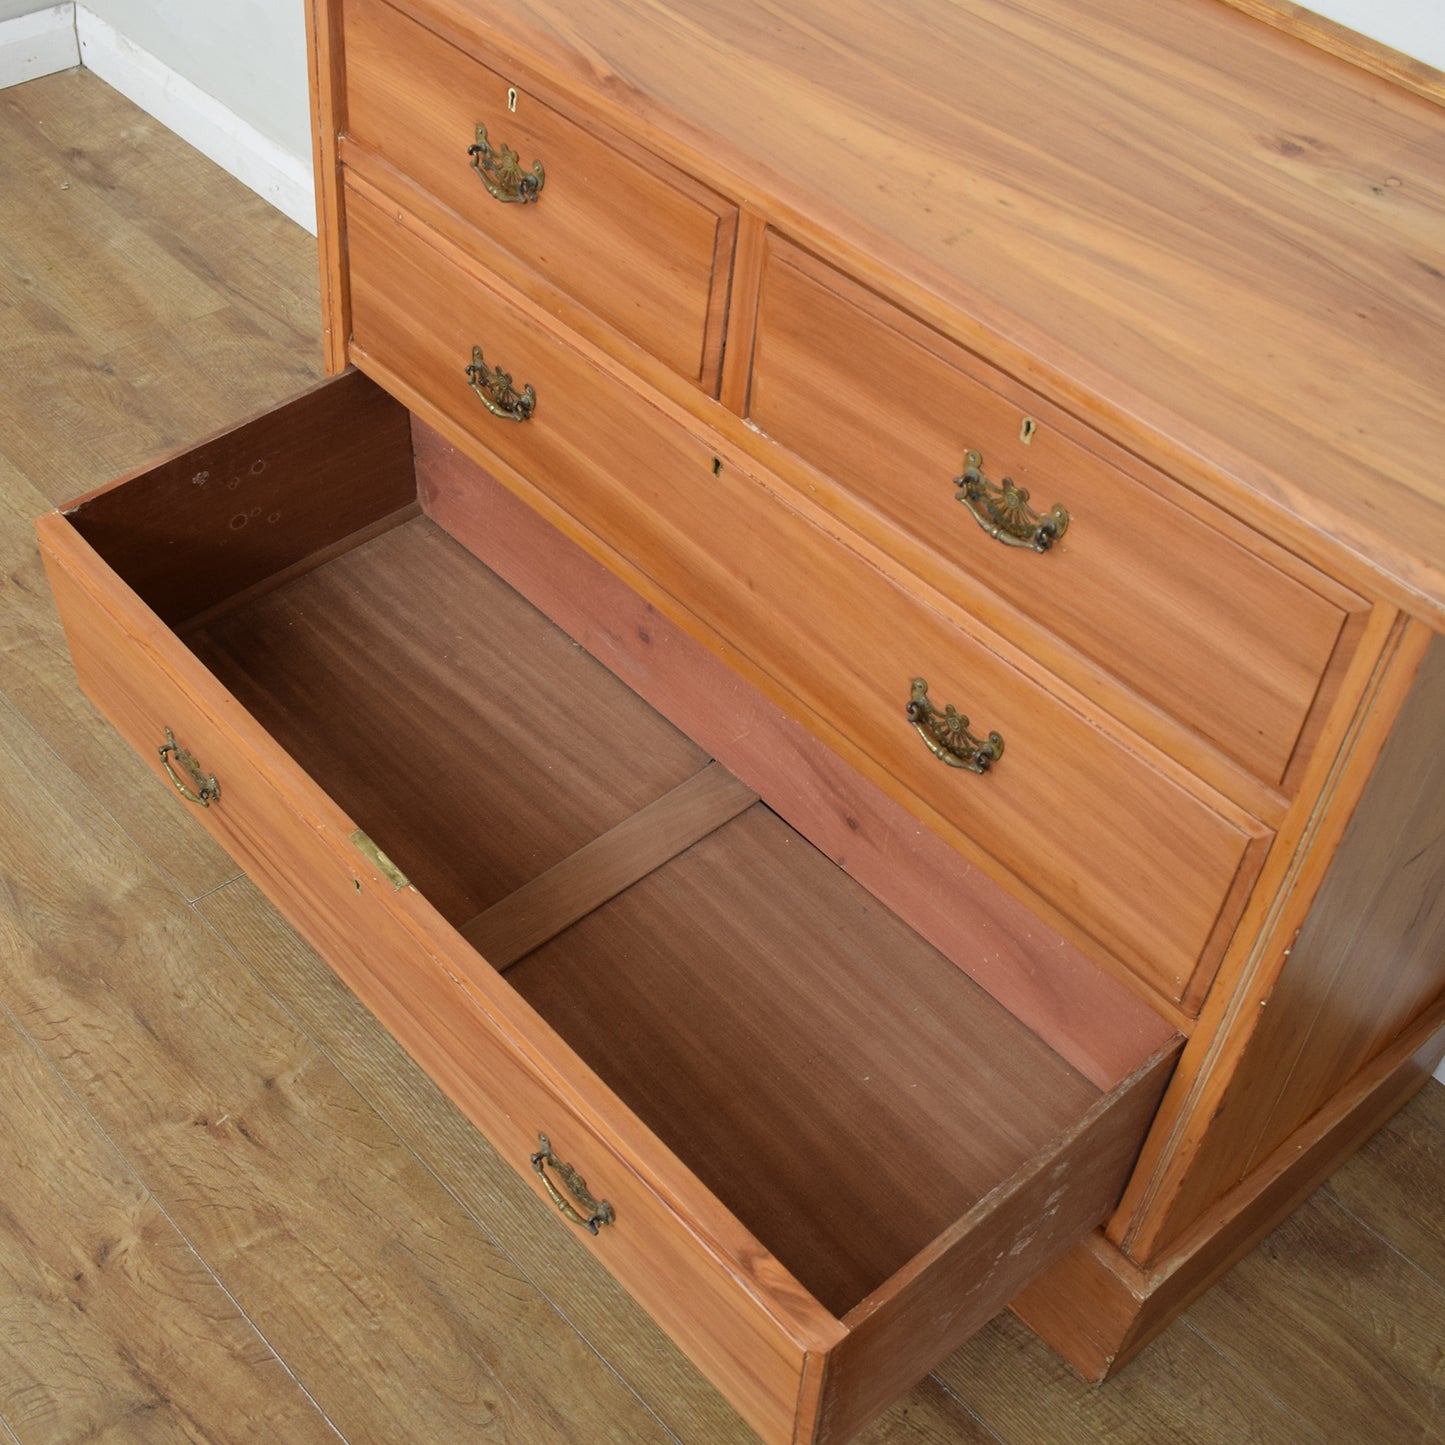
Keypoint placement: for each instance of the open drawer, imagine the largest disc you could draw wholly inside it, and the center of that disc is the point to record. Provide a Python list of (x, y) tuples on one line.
[(808, 1143)]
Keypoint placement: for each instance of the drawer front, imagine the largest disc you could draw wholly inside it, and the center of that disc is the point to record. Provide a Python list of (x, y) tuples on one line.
[(700, 1276), (1183, 614), (631, 239), (1153, 869)]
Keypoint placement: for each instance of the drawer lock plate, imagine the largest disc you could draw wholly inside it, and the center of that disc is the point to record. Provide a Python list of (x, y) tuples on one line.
[(379, 860), (947, 736), (598, 1211), (1002, 509)]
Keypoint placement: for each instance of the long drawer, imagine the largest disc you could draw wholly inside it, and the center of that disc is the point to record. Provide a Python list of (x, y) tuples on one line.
[(635, 241), (752, 571), (980, 482), (879, 1194)]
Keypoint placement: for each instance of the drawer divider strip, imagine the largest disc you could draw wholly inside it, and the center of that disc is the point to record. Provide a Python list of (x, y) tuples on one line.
[(610, 864)]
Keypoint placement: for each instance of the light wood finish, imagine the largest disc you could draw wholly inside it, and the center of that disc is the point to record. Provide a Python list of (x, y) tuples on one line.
[(392, 1343), (598, 871), (1363, 50), (1207, 239), (1084, 1015), (635, 241), (886, 410), (707, 1240), (843, 642)]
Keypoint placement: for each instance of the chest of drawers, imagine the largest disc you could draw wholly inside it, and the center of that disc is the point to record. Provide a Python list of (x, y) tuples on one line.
[(993, 705)]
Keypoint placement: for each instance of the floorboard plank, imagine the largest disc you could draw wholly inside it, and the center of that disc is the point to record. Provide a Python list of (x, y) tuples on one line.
[(1339, 1327), (1394, 1184), (110, 1325), (399, 1317)]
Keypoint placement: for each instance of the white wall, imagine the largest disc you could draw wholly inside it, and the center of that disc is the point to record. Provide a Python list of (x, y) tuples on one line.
[(9, 9), (250, 55), (1416, 27)]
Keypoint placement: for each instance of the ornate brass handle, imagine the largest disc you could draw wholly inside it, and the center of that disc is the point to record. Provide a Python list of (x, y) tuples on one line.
[(1003, 510), (206, 788), (501, 171), (495, 388), (947, 736), (599, 1211)]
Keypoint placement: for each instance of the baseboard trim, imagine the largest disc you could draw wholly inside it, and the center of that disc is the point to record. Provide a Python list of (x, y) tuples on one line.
[(199, 119), (38, 44)]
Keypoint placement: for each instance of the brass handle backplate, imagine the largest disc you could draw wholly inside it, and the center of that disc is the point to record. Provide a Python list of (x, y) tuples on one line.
[(947, 736), (495, 388), (501, 171), (1002, 509), (206, 788), (599, 1211)]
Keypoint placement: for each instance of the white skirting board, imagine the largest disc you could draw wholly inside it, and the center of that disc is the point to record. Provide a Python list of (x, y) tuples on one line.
[(199, 119), (38, 44)]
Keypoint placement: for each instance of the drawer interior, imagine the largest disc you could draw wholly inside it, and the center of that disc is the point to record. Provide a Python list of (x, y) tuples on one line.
[(845, 1090)]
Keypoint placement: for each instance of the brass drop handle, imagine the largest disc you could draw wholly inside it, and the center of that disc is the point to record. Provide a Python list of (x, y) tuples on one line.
[(947, 736), (495, 388), (599, 1211), (1002, 509), (206, 788), (501, 171)]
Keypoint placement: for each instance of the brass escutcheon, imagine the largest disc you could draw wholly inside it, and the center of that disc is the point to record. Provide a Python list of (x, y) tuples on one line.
[(599, 1211), (495, 388), (501, 171), (1003, 510), (947, 736), (206, 788)]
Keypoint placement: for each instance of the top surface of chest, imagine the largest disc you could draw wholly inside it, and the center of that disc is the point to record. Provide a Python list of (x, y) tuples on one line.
[(1220, 244)]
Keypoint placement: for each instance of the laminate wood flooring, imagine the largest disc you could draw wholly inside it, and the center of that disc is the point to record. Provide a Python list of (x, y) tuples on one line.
[(232, 1209)]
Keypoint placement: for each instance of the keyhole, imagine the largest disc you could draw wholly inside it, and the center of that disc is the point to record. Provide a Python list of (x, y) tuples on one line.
[(1027, 430), (511, 97)]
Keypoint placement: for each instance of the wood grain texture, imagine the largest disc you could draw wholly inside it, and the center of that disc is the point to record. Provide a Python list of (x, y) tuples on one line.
[(226, 514), (1088, 1018), (1135, 583), (839, 641), (198, 303), (460, 772), (1336, 39), (1012, 1402), (691, 995), (638, 243), (111, 1325), (1212, 239), (598, 871), (263, 1156), (1334, 985)]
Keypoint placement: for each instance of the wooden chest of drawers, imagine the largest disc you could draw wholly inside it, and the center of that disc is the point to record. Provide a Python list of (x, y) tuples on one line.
[(986, 717)]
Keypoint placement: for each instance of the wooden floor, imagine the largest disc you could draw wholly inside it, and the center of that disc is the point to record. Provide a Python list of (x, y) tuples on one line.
[(230, 1208)]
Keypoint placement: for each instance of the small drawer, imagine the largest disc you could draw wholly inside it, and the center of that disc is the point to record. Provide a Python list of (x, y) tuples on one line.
[(632, 239), (1153, 868), (1219, 637), (806, 1142)]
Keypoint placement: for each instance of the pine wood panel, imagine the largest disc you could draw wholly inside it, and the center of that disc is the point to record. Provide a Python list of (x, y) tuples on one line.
[(1208, 238), (111, 1326), (1154, 595), (363, 670), (598, 871), (839, 636), (1080, 1011), (638, 243)]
